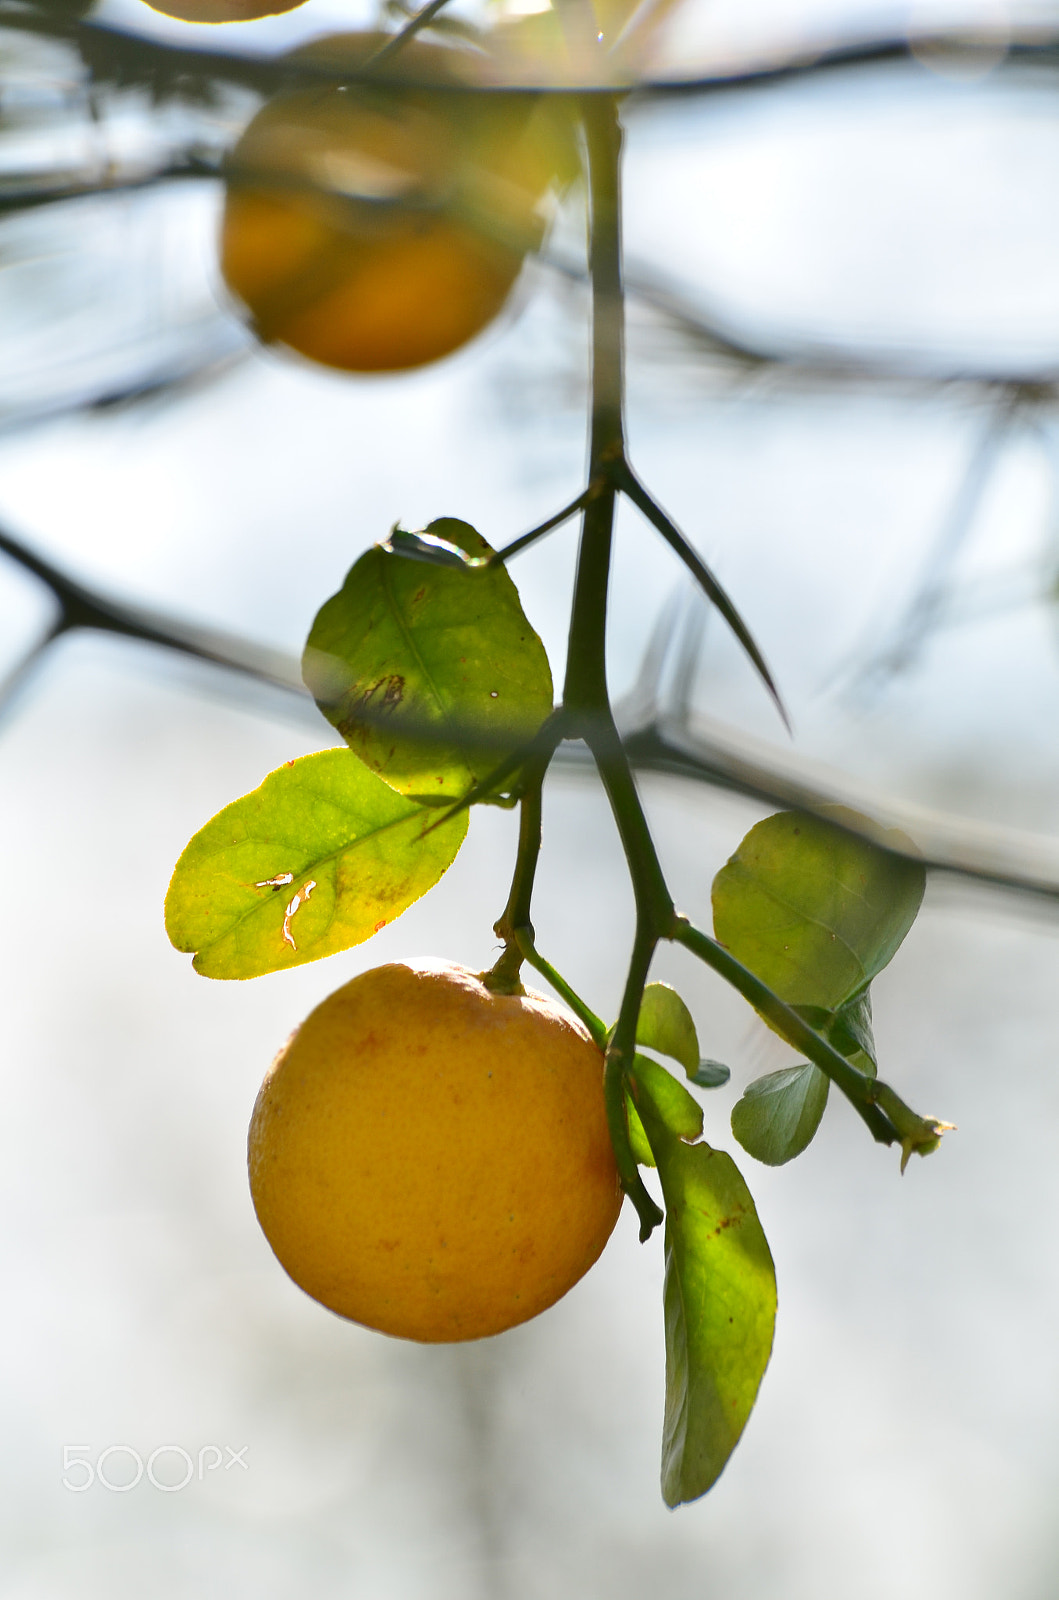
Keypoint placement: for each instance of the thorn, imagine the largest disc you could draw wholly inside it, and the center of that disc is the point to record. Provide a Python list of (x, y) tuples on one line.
[(924, 1145)]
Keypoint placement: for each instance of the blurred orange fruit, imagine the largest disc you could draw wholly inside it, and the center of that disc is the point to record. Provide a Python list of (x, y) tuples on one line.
[(223, 10), (378, 226)]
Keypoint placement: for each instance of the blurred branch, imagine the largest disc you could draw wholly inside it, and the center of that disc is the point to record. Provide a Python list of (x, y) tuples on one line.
[(808, 363), (799, 363), (911, 630), (804, 363), (659, 732), (118, 55), (82, 607), (168, 382), (663, 734), (17, 196)]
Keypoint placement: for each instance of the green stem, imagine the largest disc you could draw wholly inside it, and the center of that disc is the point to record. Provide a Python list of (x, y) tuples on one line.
[(552, 731), (524, 540), (595, 1025), (620, 1056), (862, 1092), (585, 694), (504, 975), (654, 905), (586, 701), (603, 141)]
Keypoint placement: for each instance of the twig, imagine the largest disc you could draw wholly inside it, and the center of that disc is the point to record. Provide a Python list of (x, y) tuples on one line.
[(652, 741)]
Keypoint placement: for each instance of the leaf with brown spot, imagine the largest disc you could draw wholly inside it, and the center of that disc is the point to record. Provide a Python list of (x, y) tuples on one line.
[(431, 674), (318, 858)]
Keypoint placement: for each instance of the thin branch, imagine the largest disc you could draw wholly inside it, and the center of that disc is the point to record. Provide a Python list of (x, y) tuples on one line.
[(799, 362), (540, 748), (526, 539), (515, 917), (596, 1027), (884, 1113), (653, 743), (82, 607), (25, 668)]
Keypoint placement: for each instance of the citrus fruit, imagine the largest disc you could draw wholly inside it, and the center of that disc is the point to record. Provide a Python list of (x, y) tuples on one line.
[(377, 226), (432, 1159), (223, 10)]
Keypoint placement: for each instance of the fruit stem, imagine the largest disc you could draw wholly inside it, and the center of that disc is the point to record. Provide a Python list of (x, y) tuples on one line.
[(524, 540), (503, 978), (620, 1055), (595, 1025)]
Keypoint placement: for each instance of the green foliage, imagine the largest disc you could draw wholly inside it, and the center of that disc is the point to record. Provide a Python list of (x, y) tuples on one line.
[(815, 912), (430, 672), (681, 1113), (848, 1029), (778, 1114), (720, 1308), (665, 1024), (426, 665), (711, 1075), (317, 859)]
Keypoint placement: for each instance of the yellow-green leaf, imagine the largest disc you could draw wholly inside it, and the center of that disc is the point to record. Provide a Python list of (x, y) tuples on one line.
[(679, 1110), (318, 858)]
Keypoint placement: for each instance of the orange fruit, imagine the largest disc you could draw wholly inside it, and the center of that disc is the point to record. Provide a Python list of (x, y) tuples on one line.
[(223, 10), (376, 227), (431, 1159)]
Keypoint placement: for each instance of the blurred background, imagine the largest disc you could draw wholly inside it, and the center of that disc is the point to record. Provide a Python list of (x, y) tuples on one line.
[(843, 351)]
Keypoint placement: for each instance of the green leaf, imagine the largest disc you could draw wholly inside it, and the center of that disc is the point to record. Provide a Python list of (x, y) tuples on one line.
[(665, 1024), (679, 1110), (815, 912), (318, 858), (711, 1075), (638, 1140), (849, 1029), (720, 1309), (778, 1114), (431, 673)]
